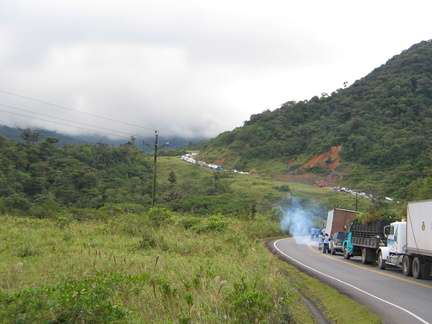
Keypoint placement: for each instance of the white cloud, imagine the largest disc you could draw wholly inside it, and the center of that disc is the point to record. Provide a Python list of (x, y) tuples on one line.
[(191, 68)]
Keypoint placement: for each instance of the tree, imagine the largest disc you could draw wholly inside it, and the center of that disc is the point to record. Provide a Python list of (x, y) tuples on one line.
[(29, 137), (172, 178)]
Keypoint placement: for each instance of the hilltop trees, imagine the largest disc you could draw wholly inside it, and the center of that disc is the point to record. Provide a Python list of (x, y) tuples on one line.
[(382, 122), (35, 171)]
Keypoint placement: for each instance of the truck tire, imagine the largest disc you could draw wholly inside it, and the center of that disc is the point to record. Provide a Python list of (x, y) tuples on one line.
[(407, 266), (364, 256), (381, 262), (416, 268), (346, 254), (426, 269)]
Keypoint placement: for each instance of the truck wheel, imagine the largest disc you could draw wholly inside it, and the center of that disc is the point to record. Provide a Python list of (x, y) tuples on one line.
[(407, 266), (364, 256), (346, 254), (416, 268), (381, 262)]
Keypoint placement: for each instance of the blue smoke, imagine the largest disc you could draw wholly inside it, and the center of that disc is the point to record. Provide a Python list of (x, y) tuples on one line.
[(295, 220)]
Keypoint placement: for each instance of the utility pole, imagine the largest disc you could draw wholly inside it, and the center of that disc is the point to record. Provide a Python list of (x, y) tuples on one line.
[(155, 148), (356, 200)]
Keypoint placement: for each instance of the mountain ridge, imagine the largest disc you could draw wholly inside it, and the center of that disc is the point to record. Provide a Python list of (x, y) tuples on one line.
[(381, 122), (14, 133)]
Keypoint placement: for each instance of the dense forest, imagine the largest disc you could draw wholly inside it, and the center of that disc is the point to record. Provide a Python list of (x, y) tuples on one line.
[(36, 172), (382, 122), (42, 179)]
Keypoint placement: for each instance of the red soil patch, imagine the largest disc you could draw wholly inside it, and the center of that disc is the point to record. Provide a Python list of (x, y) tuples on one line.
[(220, 162), (331, 155), (329, 160)]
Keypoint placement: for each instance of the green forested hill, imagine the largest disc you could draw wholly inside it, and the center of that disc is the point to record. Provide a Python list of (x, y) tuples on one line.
[(40, 179), (383, 123), (44, 177)]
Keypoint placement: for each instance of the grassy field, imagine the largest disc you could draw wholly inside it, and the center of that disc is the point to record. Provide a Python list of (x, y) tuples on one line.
[(260, 186), (144, 269), (120, 266)]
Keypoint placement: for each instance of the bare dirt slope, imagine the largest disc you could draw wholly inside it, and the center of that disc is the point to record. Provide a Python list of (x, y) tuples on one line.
[(329, 160)]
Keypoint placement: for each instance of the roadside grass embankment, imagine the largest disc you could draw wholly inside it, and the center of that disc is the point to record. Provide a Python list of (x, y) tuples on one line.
[(154, 267)]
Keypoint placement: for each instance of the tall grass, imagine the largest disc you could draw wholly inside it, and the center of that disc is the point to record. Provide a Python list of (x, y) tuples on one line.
[(103, 271)]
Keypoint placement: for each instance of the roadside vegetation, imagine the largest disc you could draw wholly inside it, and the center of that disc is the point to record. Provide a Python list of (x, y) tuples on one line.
[(81, 245), (153, 267)]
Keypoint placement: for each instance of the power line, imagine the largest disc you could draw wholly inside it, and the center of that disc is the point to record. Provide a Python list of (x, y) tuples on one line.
[(49, 121), (82, 112), (71, 121), (74, 110)]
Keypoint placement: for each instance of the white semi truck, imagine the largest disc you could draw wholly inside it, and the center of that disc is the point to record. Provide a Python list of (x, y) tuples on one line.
[(409, 243)]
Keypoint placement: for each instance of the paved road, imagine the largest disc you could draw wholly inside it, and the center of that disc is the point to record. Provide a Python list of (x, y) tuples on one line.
[(387, 293)]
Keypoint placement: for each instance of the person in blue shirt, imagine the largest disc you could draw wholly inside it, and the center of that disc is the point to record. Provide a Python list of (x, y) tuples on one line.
[(317, 232), (325, 243)]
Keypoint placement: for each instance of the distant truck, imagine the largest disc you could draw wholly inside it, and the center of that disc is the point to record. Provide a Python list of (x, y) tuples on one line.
[(365, 239), (339, 220), (409, 243)]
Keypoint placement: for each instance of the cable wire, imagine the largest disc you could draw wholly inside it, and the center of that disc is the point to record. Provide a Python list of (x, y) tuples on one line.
[(82, 112), (49, 121), (71, 121)]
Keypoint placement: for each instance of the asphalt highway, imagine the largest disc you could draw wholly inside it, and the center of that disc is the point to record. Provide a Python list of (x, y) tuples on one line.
[(389, 294)]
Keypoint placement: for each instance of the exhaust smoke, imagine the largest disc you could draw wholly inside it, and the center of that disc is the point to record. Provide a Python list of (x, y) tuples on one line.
[(297, 221)]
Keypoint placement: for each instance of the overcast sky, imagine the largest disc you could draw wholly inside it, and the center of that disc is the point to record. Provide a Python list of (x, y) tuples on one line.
[(188, 68)]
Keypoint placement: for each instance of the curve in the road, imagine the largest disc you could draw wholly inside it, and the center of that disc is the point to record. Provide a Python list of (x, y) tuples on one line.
[(349, 285), (381, 272)]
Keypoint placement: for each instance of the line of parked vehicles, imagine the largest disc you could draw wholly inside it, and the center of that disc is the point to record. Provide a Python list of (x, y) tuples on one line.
[(405, 244)]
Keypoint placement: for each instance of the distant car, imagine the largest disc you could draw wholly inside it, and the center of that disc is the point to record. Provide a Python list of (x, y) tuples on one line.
[(335, 244)]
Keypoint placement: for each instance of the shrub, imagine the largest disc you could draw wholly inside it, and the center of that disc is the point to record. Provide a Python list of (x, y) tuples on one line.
[(84, 301), (277, 213), (211, 224), (248, 304), (284, 188), (25, 251), (3, 208), (17, 201), (189, 222), (118, 209), (159, 216), (148, 240)]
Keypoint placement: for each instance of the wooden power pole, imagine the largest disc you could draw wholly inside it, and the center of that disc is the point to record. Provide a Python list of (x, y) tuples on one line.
[(155, 148)]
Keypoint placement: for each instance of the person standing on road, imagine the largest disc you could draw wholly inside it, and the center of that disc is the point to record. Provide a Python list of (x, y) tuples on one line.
[(312, 234), (317, 233), (325, 243), (320, 241)]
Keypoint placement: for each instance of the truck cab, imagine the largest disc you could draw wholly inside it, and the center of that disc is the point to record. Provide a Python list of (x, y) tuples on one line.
[(347, 247), (393, 253), (396, 237)]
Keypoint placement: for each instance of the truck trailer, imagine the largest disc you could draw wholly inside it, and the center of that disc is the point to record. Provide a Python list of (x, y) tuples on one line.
[(339, 220), (409, 243), (365, 239)]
